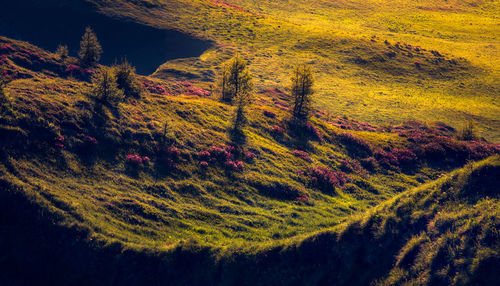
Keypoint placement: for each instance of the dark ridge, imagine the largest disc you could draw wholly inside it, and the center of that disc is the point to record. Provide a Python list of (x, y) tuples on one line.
[(50, 23)]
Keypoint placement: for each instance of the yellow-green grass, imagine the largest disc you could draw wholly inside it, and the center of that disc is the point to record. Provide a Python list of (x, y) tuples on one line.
[(275, 35), (152, 208)]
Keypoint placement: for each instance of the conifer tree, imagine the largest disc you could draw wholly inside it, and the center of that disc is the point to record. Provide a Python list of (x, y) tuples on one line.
[(235, 81), (127, 80), (302, 91), (62, 52), (104, 87), (90, 49)]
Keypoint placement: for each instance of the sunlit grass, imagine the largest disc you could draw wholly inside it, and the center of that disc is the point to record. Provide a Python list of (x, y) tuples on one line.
[(328, 35)]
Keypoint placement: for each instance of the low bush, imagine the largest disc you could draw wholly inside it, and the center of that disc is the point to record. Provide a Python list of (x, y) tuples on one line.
[(78, 72), (369, 163), (60, 141), (169, 155), (155, 88), (325, 179), (234, 165), (277, 131), (196, 91), (313, 132), (355, 145), (303, 155), (396, 157), (249, 155), (126, 79), (221, 154), (269, 114), (303, 198), (133, 160), (351, 166), (104, 87)]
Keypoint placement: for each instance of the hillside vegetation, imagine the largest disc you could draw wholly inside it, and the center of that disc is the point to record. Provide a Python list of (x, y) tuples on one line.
[(181, 178), (165, 167), (378, 61), (442, 233)]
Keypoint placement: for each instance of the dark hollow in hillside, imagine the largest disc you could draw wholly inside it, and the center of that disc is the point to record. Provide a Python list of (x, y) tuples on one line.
[(50, 23)]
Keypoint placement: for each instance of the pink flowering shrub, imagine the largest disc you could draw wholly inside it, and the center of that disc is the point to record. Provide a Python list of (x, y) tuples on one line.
[(303, 198), (250, 156), (60, 141), (277, 131), (324, 179), (269, 114), (221, 154), (224, 156), (204, 155), (6, 48), (313, 131), (349, 124), (386, 158), (3, 60), (355, 145), (352, 166), (200, 92), (204, 164), (153, 87), (303, 155), (27, 58), (133, 160), (90, 140), (33, 56), (441, 148), (169, 155), (396, 157), (235, 165), (77, 71), (405, 156)]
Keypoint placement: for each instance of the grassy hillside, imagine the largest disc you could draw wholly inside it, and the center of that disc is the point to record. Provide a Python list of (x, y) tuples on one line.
[(442, 233), (199, 181), (377, 61), (380, 187)]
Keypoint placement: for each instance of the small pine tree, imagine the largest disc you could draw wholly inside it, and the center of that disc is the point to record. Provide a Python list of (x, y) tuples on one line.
[(104, 87), (90, 49), (302, 91), (62, 52), (235, 80), (127, 80)]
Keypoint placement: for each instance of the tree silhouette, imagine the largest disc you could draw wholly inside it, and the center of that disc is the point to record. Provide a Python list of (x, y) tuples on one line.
[(235, 81), (104, 88), (301, 89), (127, 80), (90, 49)]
